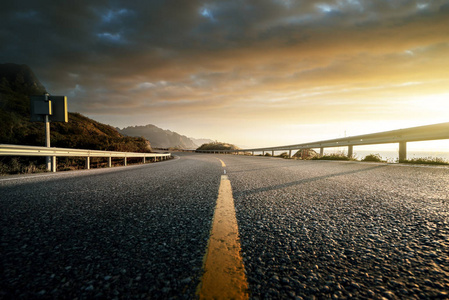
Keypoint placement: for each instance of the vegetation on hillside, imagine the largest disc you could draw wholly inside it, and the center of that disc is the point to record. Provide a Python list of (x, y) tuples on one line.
[(17, 84), (218, 146)]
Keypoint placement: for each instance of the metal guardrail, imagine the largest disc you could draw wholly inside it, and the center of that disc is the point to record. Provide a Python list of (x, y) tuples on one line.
[(401, 136), (17, 150)]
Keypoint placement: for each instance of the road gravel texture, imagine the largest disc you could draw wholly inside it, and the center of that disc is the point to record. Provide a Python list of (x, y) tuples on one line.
[(319, 229), (136, 232), (308, 229)]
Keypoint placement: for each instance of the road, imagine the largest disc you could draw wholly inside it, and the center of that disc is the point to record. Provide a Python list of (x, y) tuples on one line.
[(307, 229)]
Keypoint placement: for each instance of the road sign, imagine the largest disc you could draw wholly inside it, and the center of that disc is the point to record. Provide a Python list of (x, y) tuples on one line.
[(48, 109), (58, 109), (55, 107)]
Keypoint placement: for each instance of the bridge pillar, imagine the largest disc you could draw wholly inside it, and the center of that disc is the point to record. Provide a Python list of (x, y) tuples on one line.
[(289, 153), (263, 153), (350, 151), (88, 162), (321, 152), (272, 153), (402, 151), (110, 162), (253, 153)]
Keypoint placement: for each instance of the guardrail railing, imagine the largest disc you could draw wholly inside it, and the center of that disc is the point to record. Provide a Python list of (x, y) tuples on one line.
[(17, 150), (401, 136)]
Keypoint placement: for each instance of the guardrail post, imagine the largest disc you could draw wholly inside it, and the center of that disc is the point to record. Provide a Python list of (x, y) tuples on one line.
[(88, 162), (402, 151), (110, 161), (125, 161), (350, 151), (53, 164), (144, 160)]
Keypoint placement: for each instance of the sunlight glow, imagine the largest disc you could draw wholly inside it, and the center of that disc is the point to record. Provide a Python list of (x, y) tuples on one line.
[(431, 103)]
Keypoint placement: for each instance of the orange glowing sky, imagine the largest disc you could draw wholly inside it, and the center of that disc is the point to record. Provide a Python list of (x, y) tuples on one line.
[(253, 73)]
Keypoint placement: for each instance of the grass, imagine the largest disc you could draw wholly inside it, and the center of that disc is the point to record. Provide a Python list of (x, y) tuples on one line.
[(29, 165), (426, 161), (19, 165)]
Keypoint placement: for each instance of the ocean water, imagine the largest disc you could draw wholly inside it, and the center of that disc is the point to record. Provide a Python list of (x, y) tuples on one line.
[(390, 152), (393, 156), (387, 155)]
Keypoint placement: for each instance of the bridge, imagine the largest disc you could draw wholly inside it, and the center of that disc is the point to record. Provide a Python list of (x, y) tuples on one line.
[(229, 226), (400, 136)]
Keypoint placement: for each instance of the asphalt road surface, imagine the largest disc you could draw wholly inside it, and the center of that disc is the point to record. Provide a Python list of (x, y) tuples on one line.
[(308, 229)]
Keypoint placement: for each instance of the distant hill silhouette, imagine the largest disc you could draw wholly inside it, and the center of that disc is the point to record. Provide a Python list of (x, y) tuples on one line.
[(17, 83), (161, 138), (200, 142)]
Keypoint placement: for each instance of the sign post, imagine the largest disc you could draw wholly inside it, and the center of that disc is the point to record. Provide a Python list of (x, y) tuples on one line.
[(47, 134), (48, 109)]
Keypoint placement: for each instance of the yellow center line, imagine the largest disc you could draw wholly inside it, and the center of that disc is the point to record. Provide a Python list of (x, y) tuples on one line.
[(224, 273), (222, 163)]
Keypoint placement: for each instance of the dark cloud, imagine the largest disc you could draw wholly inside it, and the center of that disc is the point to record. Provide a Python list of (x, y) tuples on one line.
[(191, 57)]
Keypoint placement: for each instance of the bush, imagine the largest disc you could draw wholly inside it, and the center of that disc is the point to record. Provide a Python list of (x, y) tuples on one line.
[(373, 157), (333, 156), (284, 155), (305, 154)]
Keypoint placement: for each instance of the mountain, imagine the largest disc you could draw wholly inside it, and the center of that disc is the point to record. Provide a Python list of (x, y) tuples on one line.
[(20, 77), (200, 142), (17, 84), (159, 137)]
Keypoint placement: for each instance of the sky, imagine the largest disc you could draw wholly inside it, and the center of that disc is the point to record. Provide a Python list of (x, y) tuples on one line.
[(253, 73)]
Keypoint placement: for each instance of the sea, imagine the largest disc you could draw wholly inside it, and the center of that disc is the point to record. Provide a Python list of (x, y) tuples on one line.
[(389, 155), (393, 156)]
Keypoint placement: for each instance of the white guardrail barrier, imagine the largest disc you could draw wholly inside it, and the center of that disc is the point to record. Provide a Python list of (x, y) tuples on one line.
[(16, 150), (401, 136)]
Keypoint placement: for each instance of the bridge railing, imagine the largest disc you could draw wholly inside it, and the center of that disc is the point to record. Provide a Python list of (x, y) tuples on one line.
[(401, 136), (17, 150)]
